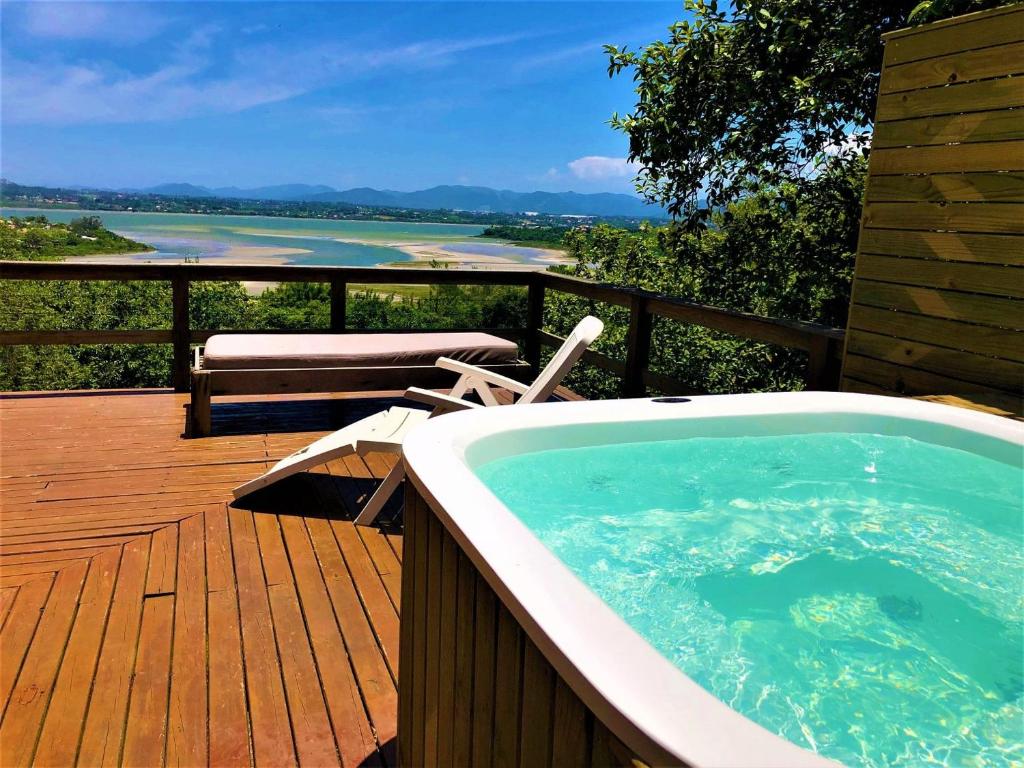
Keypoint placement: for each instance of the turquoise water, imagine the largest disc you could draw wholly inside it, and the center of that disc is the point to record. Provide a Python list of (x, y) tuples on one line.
[(178, 235), (860, 595)]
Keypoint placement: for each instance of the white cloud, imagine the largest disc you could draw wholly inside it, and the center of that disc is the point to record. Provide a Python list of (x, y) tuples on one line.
[(186, 86), (113, 22), (600, 168), (100, 93)]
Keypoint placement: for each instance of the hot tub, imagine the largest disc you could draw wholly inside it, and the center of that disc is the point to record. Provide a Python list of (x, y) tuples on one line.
[(584, 583)]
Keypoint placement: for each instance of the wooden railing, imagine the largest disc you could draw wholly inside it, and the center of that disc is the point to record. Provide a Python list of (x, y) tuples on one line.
[(822, 344)]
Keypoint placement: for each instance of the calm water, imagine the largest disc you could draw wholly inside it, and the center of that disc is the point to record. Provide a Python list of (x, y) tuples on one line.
[(860, 595), (178, 235)]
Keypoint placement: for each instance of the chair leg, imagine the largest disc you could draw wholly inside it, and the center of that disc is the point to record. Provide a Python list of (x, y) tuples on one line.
[(381, 495)]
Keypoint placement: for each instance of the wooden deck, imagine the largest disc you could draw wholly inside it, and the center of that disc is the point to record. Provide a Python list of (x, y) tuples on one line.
[(147, 622)]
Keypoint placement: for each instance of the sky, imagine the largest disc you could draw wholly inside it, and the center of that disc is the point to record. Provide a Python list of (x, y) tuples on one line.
[(395, 95)]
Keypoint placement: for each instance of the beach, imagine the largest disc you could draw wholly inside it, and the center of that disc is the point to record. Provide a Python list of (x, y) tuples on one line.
[(468, 259), (422, 255)]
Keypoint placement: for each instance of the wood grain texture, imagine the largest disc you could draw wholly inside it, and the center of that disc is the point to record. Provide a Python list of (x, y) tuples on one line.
[(991, 279), (959, 128), (964, 33), (938, 291), (143, 621), (948, 188), (988, 218), (997, 93), (933, 302), (960, 67), (473, 682), (983, 157)]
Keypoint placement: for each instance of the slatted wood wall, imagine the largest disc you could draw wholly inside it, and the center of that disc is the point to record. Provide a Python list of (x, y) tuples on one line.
[(938, 295), (473, 688)]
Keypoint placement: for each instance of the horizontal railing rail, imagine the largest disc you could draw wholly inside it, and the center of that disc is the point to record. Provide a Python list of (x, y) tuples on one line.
[(823, 344)]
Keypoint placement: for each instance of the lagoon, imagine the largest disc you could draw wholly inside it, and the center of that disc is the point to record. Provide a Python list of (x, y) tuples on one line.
[(281, 240)]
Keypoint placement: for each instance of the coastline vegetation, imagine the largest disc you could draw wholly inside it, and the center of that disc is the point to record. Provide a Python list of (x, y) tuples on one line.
[(535, 236), (23, 196), (38, 239)]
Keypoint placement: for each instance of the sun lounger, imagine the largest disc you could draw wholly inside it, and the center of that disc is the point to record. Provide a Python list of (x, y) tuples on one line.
[(386, 430), (261, 364)]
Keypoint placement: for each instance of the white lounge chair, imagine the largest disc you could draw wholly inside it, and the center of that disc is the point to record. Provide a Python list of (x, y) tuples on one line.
[(386, 430)]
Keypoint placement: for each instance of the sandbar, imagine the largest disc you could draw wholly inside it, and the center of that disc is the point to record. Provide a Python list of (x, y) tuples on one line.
[(468, 260)]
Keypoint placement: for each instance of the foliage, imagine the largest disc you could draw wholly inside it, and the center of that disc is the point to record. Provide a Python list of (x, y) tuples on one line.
[(73, 305), (36, 238), (445, 306), (765, 90), (775, 253), (536, 236)]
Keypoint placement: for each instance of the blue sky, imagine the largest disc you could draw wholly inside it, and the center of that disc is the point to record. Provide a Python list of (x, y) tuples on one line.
[(387, 94)]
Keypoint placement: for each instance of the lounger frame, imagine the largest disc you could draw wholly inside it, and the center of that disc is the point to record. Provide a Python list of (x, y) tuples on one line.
[(218, 382)]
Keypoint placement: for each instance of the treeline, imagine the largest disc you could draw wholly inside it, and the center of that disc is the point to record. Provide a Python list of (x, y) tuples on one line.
[(38, 239), (535, 237), (19, 195), (146, 305)]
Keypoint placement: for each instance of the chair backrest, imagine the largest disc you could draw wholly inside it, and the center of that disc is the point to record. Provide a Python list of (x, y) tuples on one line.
[(582, 336)]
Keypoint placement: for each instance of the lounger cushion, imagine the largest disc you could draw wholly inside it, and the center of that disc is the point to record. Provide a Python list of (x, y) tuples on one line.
[(352, 350)]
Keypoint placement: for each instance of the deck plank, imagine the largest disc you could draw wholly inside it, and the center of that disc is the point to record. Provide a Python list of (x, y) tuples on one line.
[(187, 719), (58, 740), (30, 698), (371, 589), (7, 596), (310, 720), (229, 742), (108, 706), (163, 560), (146, 730), (348, 716), (268, 711), (19, 629)]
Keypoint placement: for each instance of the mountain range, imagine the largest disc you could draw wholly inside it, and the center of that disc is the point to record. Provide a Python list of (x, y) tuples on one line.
[(451, 197)]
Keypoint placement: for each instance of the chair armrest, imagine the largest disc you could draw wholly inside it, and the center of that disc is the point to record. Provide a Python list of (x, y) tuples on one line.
[(465, 369), (441, 403)]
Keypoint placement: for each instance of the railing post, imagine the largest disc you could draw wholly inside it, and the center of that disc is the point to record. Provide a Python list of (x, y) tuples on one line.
[(339, 294), (638, 346), (180, 334), (823, 365), (534, 324)]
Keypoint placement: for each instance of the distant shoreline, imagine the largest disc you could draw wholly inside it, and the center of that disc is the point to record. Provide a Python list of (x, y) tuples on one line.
[(101, 211), (418, 241)]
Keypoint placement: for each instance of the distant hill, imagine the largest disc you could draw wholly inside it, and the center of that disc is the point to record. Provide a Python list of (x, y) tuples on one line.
[(278, 192), (448, 197)]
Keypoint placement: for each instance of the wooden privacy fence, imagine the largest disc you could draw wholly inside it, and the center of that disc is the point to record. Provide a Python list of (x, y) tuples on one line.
[(938, 295), (822, 344)]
